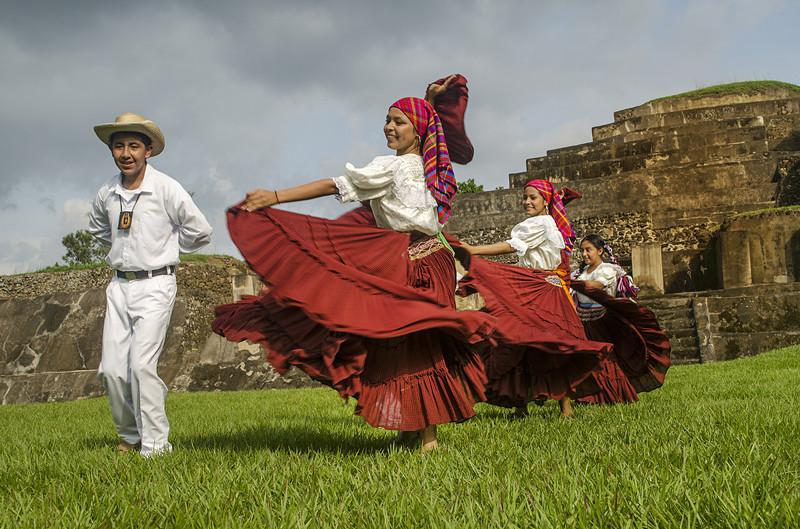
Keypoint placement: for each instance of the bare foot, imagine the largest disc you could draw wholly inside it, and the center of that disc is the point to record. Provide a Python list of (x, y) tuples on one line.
[(429, 442), (566, 407)]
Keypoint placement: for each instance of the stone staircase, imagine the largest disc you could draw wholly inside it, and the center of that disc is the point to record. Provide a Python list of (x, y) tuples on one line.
[(655, 136), (660, 149), (775, 104), (726, 324), (676, 315)]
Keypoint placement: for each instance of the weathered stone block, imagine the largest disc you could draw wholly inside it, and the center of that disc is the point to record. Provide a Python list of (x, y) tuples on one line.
[(734, 252), (648, 273)]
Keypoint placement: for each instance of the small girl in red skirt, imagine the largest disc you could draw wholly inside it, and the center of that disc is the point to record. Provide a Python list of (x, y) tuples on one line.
[(542, 351), (605, 301)]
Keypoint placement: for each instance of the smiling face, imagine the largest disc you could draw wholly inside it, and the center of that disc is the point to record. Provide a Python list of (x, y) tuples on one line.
[(592, 255), (400, 133), (533, 202), (130, 153)]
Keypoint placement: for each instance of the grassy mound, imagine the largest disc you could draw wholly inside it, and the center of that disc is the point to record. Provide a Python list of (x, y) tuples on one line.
[(743, 87), (717, 446)]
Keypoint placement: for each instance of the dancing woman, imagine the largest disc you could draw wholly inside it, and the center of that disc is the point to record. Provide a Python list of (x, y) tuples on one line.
[(542, 351), (365, 304), (605, 302)]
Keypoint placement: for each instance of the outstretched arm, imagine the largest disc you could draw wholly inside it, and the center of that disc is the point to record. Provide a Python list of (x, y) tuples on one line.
[(498, 248), (264, 198)]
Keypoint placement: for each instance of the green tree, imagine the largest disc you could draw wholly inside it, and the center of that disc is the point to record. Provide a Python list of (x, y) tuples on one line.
[(83, 248), (469, 186)]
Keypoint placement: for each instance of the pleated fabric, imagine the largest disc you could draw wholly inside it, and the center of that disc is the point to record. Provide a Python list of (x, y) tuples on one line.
[(346, 304)]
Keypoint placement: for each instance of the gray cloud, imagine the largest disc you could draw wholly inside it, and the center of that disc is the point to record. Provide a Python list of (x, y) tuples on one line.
[(48, 204), (270, 94)]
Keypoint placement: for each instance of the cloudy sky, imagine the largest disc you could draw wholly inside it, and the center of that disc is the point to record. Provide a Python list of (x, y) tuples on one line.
[(270, 94)]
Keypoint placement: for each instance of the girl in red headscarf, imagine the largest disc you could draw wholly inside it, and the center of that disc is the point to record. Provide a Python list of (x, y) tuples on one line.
[(542, 351), (366, 304)]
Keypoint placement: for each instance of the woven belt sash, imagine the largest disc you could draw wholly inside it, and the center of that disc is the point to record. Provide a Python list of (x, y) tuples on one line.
[(424, 247), (591, 313)]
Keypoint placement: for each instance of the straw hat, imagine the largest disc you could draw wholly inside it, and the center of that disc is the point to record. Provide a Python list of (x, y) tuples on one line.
[(130, 122)]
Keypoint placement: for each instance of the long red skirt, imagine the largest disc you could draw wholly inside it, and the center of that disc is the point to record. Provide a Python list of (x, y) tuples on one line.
[(641, 355), (542, 351), (346, 305)]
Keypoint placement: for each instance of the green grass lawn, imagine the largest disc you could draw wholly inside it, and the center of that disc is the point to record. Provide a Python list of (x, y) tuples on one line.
[(717, 446)]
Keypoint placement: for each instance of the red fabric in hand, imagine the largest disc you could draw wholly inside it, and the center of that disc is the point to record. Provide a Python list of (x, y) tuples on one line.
[(451, 107)]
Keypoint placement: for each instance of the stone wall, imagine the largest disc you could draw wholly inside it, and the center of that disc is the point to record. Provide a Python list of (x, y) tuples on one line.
[(760, 247), (787, 176), (666, 181), (51, 327), (668, 172)]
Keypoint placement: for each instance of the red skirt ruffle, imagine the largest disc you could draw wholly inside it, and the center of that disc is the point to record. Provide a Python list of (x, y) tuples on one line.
[(345, 304), (542, 351), (641, 355)]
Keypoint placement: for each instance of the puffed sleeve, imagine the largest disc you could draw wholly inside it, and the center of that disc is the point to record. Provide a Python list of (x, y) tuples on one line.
[(533, 232), (606, 274), (366, 183)]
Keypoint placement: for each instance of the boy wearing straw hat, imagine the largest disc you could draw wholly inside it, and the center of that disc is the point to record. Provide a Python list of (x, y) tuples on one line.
[(148, 219)]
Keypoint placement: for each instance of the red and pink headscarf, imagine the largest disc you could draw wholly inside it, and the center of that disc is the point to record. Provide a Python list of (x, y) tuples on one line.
[(555, 201), (439, 177)]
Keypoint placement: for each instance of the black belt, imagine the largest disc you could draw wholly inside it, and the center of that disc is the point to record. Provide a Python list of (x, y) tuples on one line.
[(144, 274)]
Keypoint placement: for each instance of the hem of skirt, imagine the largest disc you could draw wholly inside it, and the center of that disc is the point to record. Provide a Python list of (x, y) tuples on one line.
[(414, 401)]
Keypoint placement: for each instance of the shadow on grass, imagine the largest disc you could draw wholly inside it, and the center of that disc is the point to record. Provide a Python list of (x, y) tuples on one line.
[(292, 438), (491, 413), (287, 437)]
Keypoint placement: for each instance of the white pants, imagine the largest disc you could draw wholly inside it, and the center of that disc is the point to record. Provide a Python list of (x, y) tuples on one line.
[(137, 318)]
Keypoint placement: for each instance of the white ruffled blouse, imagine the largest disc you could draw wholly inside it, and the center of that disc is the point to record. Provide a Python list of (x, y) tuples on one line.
[(537, 242), (396, 191), (606, 274)]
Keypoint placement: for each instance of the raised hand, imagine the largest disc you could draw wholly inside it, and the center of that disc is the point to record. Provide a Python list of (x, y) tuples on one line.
[(435, 90), (260, 198)]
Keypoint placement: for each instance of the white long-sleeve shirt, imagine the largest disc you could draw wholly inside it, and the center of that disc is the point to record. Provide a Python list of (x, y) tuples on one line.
[(166, 222), (537, 243), (606, 274), (396, 191)]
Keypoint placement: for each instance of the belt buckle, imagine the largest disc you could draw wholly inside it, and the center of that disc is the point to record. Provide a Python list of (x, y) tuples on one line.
[(130, 276)]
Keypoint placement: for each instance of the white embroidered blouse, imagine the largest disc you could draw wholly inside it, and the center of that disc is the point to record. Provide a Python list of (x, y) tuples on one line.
[(606, 274), (537, 242), (396, 191)]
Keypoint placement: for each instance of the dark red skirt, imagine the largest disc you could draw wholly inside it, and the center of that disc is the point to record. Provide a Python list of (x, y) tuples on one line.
[(346, 304), (641, 355), (542, 351)]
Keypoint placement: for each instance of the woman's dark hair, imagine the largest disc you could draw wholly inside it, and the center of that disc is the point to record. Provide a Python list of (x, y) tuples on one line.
[(144, 138), (598, 242), (625, 286)]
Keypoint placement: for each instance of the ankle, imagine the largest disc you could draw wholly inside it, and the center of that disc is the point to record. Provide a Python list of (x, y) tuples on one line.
[(428, 437), (566, 407)]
